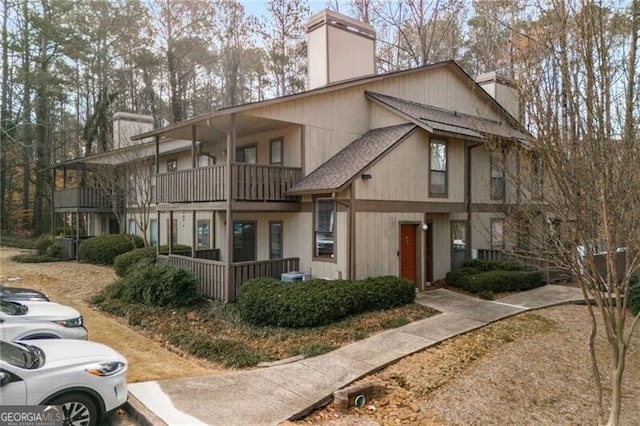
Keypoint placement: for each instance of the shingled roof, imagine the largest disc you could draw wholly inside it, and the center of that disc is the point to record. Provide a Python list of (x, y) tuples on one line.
[(339, 170), (437, 120)]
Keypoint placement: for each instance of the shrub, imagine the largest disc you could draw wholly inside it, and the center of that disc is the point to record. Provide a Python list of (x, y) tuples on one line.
[(499, 281), (266, 301), (18, 242), (634, 295), (103, 249), (35, 258), (227, 352), (452, 277), (482, 265), (160, 285), (123, 262), (44, 243)]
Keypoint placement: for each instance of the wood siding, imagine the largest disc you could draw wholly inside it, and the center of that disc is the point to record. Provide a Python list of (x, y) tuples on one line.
[(78, 198), (250, 182), (211, 274)]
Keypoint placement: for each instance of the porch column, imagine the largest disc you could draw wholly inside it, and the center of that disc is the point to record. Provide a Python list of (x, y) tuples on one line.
[(194, 234), (53, 209), (77, 241), (170, 236), (231, 140), (193, 147), (155, 196)]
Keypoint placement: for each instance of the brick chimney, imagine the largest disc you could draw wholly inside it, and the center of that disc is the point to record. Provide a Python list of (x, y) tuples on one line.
[(339, 48), (504, 90)]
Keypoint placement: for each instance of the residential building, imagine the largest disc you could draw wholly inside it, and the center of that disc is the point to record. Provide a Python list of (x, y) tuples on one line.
[(361, 175)]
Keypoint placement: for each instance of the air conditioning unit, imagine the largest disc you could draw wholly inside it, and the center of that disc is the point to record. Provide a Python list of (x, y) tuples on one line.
[(289, 277)]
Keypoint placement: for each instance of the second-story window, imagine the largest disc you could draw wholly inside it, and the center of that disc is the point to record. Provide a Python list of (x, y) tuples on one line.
[(438, 168), (275, 151), (205, 160), (247, 154), (497, 234), (172, 165), (497, 178)]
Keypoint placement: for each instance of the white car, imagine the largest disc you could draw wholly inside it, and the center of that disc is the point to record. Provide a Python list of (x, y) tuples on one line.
[(25, 320), (86, 378)]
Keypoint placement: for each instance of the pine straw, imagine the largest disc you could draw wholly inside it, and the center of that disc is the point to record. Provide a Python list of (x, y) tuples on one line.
[(532, 369)]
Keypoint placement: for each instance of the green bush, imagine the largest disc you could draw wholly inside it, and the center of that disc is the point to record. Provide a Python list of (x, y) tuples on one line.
[(452, 277), (160, 285), (123, 262), (103, 249), (500, 281), (44, 243), (634, 295), (18, 242), (227, 352), (486, 265), (36, 258), (266, 301)]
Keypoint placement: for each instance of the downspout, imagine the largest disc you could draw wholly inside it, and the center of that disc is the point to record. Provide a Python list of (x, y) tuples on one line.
[(468, 196), (194, 237), (155, 196), (231, 136)]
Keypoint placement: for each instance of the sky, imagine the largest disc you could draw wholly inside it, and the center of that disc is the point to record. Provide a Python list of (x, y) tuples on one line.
[(257, 7)]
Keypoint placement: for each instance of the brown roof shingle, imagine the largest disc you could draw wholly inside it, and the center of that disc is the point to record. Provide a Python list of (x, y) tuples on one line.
[(336, 172), (444, 121)]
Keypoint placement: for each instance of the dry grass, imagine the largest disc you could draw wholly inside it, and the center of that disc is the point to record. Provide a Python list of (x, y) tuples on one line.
[(531, 369), (72, 284)]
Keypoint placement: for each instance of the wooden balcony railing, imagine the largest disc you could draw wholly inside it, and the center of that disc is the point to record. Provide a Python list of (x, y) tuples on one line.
[(250, 182), (95, 198), (211, 274)]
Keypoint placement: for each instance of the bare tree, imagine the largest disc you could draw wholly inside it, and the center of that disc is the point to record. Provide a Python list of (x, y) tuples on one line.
[(579, 194)]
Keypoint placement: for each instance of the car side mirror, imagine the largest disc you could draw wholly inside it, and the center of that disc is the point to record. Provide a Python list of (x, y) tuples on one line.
[(5, 378)]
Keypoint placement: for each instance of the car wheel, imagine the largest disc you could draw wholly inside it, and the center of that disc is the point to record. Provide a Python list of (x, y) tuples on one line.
[(78, 409)]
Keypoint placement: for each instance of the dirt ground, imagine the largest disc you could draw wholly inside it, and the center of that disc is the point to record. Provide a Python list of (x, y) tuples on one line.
[(72, 284), (539, 376)]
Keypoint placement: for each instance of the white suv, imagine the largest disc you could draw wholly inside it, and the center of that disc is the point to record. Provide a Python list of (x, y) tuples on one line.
[(23, 320), (86, 378)]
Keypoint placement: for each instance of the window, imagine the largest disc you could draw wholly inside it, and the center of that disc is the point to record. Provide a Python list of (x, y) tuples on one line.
[(132, 192), (247, 154), (275, 151), (205, 160), (323, 227), (244, 241), (497, 178), (458, 244), (172, 165), (203, 235), (173, 231), (132, 226), (438, 168), (153, 232), (538, 176), (275, 240), (497, 234)]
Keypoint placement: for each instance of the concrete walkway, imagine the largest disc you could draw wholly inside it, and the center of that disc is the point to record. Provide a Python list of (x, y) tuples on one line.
[(271, 395)]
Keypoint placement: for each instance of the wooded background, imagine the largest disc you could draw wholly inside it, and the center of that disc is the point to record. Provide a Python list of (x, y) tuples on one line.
[(68, 65)]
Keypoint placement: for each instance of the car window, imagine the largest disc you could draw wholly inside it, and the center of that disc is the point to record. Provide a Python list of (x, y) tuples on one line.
[(23, 356), (12, 308)]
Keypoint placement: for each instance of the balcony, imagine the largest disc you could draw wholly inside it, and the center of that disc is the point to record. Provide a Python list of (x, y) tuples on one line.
[(212, 278), (249, 182), (83, 199)]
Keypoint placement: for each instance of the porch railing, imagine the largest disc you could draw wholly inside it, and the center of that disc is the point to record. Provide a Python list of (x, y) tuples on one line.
[(211, 274), (82, 198), (250, 182), (550, 274)]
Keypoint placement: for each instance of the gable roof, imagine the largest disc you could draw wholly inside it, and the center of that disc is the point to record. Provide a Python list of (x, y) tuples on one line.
[(445, 122), (451, 65), (337, 172)]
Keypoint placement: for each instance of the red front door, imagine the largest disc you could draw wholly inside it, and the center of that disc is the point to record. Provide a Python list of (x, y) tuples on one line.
[(408, 265)]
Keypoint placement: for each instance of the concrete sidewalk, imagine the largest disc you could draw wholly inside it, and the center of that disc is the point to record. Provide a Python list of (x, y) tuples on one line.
[(271, 395)]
